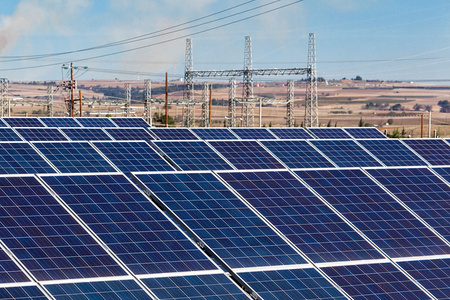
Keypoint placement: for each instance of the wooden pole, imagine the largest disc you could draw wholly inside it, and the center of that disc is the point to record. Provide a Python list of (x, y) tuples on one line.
[(167, 101), (421, 126), (210, 104), (81, 105), (72, 87)]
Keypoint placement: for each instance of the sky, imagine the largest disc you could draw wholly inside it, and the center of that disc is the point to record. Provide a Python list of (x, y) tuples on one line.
[(142, 39)]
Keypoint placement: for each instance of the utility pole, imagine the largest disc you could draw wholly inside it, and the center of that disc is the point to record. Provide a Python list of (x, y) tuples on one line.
[(188, 94), (311, 103), (148, 101), (4, 95), (81, 103), (232, 104), (50, 100), (290, 104), (167, 101), (205, 105), (248, 104), (127, 99)]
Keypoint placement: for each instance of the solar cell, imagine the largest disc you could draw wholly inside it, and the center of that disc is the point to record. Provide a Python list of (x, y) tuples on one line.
[(253, 133), (49, 242), (302, 217), (214, 133), (365, 133), (130, 122), (435, 151), (375, 281), (9, 271), (41, 134), (329, 133), (129, 134), (373, 211), (86, 134), (291, 284), (8, 135), (193, 155), (21, 158), (2, 123), (132, 227), (22, 293), (173, 134), (220, 219), (23, 122), (291, 133), (345, 153), (246, 154), (422, 191), (392, 152), (95, 122), (444, 172), (59, 122), (195, 287), (74, 157), (133, 156), (297, 154)]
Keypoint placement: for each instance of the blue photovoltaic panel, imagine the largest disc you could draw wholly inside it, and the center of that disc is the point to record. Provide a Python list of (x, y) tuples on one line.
[(291, 284), (246, 155), (291, 133), (435, 151), (133, 156), (50, 243), (95, 122), (214, 133), (193, 155), (60, 122), (2, 123), (130, 122), (302, 217), (220, 219), (132, 227), (392, 152), (444, 172), (23, 122), (329, 133), (8, 135), (41, 134), (373, 211), (22, 293), (21, 158), (9, 271), (375, 281), (74, 157), (195, 287), (345, 153), (173, 134), (129, 134), (431, 274), (297, 154), (365, 133), (86, 134), (253, 133), (422, 191), (117, 289)]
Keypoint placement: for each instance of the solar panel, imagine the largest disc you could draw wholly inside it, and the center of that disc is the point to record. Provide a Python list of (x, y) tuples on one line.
[(220, 220), (291, 284), (59, 122), (392, 152), (373, 211), (246, 154), (2, 123), (302, 217), (133, 156), (22, 293), (9, 271), (291, 133), (329, 133), (86, 134), (365, 133), (435, 151), (129, 134), (444, 172), (21, 158), (193, 155), (49, 242), (41, 134), (214, 133), (23, 122), (8, 135), (74, 157), (422, 191), (195, 287), (345, 153), (130, 122), (132, 227), (253, 133), (117, 289), (297, 154), (95, 122), (375, 281), (173, 134)]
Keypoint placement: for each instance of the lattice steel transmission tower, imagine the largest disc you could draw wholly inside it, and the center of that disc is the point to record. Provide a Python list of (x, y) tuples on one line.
[(290, 104), (248, 104), (188, 107), (127, 100), (205, 106), (50, 100), (232, 103), (148, 101), (4, 96), (311, 105)]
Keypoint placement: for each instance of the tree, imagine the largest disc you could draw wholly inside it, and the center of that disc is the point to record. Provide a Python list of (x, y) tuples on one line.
[(361, 122), (329, 123), (445, 106), (358, 77), (396, 107)]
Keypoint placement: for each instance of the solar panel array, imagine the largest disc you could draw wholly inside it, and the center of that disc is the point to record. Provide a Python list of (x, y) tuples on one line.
[(118, 210)]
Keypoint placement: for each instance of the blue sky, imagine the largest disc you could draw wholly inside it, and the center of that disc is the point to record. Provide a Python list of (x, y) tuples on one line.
[(375, 39)]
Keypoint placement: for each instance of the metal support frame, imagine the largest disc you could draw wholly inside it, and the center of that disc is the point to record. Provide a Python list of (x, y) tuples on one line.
[(290, 104), (205, 106), (50, 100), (188, 95), (127, 100), (232, 103), (4, 97), (311, 102), (248, 105), (148, 101)]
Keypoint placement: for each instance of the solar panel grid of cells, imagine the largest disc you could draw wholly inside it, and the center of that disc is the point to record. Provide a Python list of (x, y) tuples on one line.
[(253, 133), (21, 158), (364, 133), (9, 271), (173, 133), (132, 227), (444, 172), (302, 217), (220, 219), (95, 122), (41, 134), (434, 151), (23, 122), (47, 240), (86, 134), (130, 122), (329, 133), (3, 123), (60, 122), (22, 293), (8, 135), (214, 133), (127, 134), (373, 211), (291, 133)]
